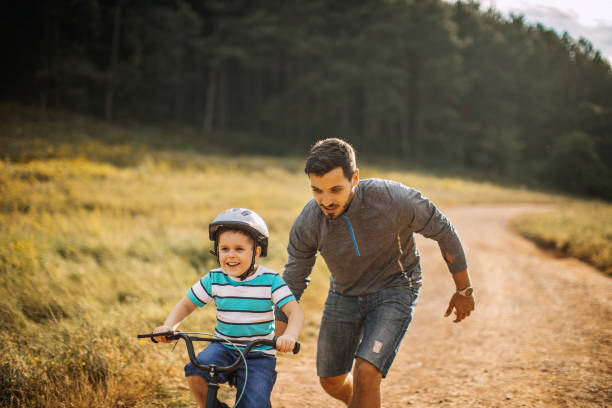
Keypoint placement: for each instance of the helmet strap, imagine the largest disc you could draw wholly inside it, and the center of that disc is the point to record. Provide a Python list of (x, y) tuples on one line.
[(215, 251), (252, 267)]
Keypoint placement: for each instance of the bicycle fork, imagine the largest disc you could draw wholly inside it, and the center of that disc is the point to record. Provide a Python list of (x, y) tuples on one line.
[(213, 389)]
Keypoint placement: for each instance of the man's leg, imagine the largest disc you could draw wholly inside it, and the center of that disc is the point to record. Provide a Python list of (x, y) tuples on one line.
[(340, 387), (199, 389), (339, 336), (366, 388), (389, 313)]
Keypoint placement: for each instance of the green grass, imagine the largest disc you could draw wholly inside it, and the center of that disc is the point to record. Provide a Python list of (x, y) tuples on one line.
[(101, 234)]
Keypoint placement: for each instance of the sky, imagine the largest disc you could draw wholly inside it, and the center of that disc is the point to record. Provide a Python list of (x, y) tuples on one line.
[(591, 19)]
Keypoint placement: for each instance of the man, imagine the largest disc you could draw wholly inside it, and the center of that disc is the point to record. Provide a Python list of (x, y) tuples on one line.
[(364, 231)]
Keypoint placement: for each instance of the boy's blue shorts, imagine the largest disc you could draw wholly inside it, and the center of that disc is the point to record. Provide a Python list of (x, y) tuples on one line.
[(370, 327), (260, 373)]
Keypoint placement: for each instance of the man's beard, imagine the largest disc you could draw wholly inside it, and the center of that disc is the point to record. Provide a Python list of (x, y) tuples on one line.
[(335, 206), (333, 215)]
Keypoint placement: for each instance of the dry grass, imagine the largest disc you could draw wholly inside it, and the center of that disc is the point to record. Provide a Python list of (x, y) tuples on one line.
[(579, 229), (91, 254)]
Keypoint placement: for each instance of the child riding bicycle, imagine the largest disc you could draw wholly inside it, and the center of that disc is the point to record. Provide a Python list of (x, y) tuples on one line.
[(244, 294)]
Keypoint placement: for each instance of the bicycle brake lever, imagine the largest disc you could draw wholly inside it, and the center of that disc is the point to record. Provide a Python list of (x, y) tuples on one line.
[(153, 335)]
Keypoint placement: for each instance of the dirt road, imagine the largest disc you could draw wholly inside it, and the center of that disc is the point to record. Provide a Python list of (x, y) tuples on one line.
[(541, 335)]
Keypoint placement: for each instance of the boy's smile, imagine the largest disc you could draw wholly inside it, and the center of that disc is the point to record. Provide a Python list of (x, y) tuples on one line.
[(236, 252)]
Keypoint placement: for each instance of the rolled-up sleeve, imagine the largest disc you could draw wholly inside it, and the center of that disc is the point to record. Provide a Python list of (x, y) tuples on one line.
[(426, 219)]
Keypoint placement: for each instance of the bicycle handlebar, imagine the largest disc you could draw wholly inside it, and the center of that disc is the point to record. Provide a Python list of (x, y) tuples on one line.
[(175, 335)]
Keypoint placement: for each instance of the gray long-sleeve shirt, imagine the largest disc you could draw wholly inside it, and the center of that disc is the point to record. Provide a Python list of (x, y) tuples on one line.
[(371, 246)]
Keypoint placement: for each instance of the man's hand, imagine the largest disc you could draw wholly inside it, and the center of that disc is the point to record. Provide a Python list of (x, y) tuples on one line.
[(285, 343), (463, 305)]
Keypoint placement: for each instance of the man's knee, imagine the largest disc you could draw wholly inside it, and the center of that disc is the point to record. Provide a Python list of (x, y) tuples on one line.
[(366, 374), (332, 383)]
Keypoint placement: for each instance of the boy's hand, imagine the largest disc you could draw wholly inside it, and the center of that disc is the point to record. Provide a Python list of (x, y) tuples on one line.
[(285, 343), (162, 329)]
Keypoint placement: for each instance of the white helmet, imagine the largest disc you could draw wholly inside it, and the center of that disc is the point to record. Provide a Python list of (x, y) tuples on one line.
[(242, 219)]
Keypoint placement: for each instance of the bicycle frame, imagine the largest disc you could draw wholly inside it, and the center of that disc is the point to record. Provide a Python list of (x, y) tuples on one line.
[(213, 370)]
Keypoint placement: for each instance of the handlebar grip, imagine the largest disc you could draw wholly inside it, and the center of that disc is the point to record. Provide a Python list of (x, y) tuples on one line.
[(272, 343), (296, 346), (170, 335)]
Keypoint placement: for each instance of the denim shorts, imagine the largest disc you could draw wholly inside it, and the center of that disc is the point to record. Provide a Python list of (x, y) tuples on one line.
[(370, 327), (260, 373)]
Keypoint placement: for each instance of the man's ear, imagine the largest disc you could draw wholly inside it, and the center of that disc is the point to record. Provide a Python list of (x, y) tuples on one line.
[(355, 178)]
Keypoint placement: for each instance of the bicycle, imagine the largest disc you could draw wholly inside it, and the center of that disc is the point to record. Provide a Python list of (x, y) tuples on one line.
[(213, 370)]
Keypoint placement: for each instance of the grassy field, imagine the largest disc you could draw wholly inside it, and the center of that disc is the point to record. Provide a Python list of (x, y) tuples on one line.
[(100, 234), (579, 229)]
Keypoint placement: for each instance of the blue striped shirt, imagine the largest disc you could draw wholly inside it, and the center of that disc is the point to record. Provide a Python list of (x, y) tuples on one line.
[(244, 308)]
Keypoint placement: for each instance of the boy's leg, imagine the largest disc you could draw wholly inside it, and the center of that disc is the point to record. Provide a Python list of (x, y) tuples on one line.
[(199, 389), (257, 380), (215, 354)]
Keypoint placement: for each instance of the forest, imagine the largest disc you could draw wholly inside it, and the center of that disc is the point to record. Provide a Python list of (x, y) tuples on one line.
[(441, 87)]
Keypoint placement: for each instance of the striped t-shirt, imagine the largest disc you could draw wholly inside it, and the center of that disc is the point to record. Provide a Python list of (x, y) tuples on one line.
[(244, 308)]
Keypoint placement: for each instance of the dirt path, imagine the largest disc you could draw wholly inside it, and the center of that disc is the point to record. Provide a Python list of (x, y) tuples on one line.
[(541, 335)]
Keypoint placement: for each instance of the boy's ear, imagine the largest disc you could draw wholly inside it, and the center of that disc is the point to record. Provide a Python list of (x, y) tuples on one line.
[(258, 251)]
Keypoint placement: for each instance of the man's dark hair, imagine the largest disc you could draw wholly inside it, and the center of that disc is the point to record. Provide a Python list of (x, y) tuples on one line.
[(327, 154)]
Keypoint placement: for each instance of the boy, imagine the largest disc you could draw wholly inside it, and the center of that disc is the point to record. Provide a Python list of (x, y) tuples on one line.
[(244, 294)]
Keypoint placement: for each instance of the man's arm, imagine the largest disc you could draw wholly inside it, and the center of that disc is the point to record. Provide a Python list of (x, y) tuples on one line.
[(296, 275), (425, 219), (463, 305), (302, 252)]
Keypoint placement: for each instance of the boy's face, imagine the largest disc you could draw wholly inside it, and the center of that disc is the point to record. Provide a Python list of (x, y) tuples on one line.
[(235, 252), (332, 191)]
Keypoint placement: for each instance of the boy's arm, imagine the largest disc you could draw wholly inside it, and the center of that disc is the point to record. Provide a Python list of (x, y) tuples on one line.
[(287, 340), (179, 312)]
